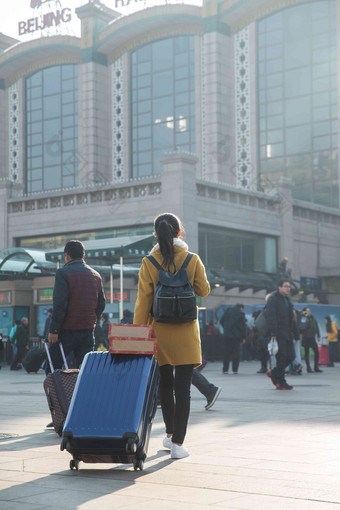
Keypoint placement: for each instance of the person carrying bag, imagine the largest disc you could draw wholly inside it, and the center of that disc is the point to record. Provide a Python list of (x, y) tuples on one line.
[(176, 327)]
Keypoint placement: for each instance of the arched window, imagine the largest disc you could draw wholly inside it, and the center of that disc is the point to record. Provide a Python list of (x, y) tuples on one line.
[(298, 107), (52, 128), (162, 102)]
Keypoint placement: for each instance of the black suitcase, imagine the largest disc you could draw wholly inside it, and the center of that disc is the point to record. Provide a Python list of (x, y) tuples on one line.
[(59, 386), (112, 409), (33, 360)]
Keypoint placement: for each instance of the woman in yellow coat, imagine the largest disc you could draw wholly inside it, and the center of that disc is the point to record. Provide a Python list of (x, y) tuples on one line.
[(179, 345), (332, 336)]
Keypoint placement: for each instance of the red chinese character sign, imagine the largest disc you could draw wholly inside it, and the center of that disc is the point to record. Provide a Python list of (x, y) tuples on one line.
[(49, 16)]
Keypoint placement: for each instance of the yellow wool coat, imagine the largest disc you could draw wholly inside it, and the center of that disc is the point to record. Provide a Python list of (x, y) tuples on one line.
[(178, 344), (333, 335)]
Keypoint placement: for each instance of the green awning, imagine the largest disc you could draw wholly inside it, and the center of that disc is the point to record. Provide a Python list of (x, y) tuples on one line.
[(108, 251)]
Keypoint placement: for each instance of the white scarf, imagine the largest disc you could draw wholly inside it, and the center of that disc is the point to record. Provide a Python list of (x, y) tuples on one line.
[(176, 241)]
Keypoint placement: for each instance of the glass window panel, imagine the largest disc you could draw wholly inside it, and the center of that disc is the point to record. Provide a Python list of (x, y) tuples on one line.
[(274, 37), (35, 115), (52, 153), (69, 133), (35, 93), (321, 143), (144, 170), (145, 144), (321, 84), (295, 22), (274, 66), (144, 157), (67, 145), (274, 94), (144, 81), (36, 127), (68, 109), (68, 121), (144, 93), (68, 71), (298, 111), (36, 139), (181, 72), (274, 108), (68, 85), (51, 105), (274, 22), (163, 134), (52, 130), (162, 83), (320, 55), (35, 186), (321, 113), (320, 25), (298, 139), (297, 53), (274, 51), (144, 118), (36, 162), (67, 97), (181, 60), (321, 128), (297, 82), (274, 122), (68, 181), (163, 108), (320, 40), (144, 106), (274, 80), (143, 54), (36, 104), (275, 136), (52, 177), (144, 68), (320, 99), (162, 55), (320, 70), (181, 86), (36, 150), (51, 80)]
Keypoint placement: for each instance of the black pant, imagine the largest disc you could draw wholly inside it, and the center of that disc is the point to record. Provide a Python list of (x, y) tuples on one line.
[(174, 385), (80, 342), (284, 357), (202, 384), (21, 351), (310, 343), (231, 353)]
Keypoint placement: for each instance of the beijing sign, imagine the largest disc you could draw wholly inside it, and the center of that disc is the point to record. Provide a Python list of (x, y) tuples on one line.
[(47, 20)]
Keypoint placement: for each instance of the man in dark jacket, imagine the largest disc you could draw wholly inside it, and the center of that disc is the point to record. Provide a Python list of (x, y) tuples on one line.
[(233, 322), (21, 339), (309, 329), (78, 302), (283, 326)]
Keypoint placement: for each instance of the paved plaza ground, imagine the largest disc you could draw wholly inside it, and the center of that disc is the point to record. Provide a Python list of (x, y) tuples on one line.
[(257, 448)]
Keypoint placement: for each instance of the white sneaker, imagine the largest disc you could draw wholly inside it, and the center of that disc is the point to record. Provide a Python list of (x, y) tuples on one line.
[(179, 452), (167, 442)]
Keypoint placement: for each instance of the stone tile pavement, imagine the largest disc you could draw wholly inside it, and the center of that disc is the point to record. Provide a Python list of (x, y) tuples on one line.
[(257, 448)]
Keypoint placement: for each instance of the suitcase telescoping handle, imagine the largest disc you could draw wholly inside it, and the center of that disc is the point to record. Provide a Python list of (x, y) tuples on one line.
[(49, 355)]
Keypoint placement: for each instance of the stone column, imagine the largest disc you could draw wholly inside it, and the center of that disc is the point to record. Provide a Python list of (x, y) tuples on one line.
[(217, 109), (286, 241), (179, 192)]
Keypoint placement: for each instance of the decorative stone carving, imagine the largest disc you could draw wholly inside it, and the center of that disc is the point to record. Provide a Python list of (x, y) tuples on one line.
[(14, 145), (242, 106), (117, 122)]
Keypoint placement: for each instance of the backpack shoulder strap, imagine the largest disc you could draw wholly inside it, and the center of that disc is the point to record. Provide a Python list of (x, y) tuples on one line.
[(154, 262), (187, 260)]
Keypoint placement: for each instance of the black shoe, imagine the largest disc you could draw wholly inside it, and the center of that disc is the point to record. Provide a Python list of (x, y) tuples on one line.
[(213, 397), (284, 386), (317, 370), (309, 370), (272, 377), (225, 372), (262, 371), (49, 425)]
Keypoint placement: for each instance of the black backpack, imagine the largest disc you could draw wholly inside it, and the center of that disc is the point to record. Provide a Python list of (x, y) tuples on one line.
[(175, 298)]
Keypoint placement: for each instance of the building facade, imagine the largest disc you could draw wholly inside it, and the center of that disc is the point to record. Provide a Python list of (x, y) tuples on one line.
[(225, 114)]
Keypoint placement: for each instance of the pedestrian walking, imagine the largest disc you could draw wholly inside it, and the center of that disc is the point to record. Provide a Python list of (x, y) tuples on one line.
[(261, 345), (78, 302), (282, 327), (332, 336), (233, 322), (20, 339), (47, 323), (309, 329), (179, 346)]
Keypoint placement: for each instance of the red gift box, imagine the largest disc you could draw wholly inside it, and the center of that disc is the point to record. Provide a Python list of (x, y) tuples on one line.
[(132, 339)]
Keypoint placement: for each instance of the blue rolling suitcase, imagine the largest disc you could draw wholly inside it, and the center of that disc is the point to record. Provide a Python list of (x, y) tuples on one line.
[(112, 409)]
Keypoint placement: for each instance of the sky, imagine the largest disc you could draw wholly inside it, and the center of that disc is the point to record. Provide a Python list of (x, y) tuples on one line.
[(14, 11)]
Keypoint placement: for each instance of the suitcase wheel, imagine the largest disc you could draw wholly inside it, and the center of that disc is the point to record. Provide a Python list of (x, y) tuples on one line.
[(138, 464), (74, 464), (130, 446)]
